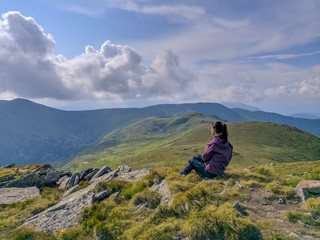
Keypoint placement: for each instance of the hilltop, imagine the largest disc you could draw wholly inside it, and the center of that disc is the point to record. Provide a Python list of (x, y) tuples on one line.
[(156, 142), (34, 133), (251, 203)]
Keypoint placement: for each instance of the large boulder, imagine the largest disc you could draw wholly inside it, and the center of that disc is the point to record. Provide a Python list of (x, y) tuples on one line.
[(10, 165), (65, 214), (305, 187), (11, 195)]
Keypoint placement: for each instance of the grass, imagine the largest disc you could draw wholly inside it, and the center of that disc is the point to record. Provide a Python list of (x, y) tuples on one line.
[(12, 215), (198, 211), (156, 142)]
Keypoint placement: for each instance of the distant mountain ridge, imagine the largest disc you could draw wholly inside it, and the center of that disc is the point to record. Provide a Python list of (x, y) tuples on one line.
[(34, 133)]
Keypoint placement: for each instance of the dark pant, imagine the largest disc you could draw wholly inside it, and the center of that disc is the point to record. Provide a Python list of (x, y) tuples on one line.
[(196, 163)]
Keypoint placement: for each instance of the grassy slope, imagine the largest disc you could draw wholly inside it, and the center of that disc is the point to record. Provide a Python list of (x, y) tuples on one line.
[(198, 211), (171, 141)]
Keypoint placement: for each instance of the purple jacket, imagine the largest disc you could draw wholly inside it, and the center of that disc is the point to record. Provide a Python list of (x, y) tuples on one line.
[(217, 156)]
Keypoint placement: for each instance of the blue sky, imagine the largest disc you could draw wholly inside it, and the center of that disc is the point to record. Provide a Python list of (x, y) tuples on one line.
[(127, 53)]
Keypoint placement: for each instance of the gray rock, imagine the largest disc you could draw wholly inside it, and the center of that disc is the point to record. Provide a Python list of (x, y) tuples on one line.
[(101, 195), (85, 172), (64, 181), (102, 171), (70, 191), (239, 185), (73, 181), (52, 175), (123, 175), (10, 165), (61, 179), (65, 214), (90, 175), (133, 175), (11, 195), (29, 180), (164, 191), (6, 178)]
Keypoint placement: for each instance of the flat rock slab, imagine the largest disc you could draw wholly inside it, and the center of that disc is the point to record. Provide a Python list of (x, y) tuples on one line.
[(134, 175), (305, 187), (11, 195), (65, 214)]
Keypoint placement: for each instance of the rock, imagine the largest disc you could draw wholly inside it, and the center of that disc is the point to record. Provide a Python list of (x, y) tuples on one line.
[(238, 207), (52, 175), (102, 171), (141, 206), (70, 191), (65, 173), (65, 214), (29, 180), (90, 175), (265, 203), (101, 195), (164, 191), (85, 172), (46, 166), (134, 175), (64, 182), (292, 234), (73, 181), (239, 185), (6, 178), (11, 195), (305, 187), (9, 165), (124, 169), (282, 201)]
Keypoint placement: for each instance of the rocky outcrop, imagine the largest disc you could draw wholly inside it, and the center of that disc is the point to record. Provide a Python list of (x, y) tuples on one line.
[(66, 213), (10, 165), (7, 178), (305, 187), (30, 180), (11, 195)]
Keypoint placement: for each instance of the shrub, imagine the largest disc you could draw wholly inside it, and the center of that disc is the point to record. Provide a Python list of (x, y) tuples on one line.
[(314, 175)]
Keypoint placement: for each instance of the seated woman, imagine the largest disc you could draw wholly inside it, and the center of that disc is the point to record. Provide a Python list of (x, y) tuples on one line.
[(216, 157)]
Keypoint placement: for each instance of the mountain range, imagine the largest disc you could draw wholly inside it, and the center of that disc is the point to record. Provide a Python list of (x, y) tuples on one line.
[(34, 133)]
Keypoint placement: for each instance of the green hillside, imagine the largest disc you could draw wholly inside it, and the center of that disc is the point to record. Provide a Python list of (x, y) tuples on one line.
[(172, 141)]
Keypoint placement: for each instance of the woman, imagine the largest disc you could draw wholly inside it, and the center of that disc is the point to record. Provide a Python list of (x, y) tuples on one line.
[(216, 157)]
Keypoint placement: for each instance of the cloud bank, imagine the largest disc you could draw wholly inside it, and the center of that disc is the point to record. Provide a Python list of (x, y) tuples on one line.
[(29, 68)]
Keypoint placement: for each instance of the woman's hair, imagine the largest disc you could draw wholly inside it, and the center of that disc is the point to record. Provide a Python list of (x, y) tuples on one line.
[(220, 128)]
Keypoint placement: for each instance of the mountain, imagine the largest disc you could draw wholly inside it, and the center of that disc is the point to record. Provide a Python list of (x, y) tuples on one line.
[(154, 142), (309, 125), (305, 115), (34, 133), (240, 105)]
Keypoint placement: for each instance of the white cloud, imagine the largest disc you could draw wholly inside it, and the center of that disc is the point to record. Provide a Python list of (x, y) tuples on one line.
[(29, 68), (251, 83)]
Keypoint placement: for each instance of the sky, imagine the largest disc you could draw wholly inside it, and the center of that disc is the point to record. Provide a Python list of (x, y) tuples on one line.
[(76, 54)]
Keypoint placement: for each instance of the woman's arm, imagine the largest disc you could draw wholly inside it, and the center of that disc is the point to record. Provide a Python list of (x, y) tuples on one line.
[(207, 154)]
